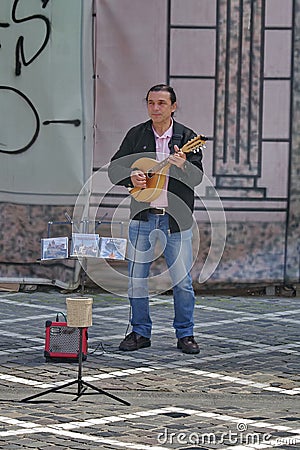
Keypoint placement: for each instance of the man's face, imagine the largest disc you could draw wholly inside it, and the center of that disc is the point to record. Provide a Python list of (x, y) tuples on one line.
[(160, 107)]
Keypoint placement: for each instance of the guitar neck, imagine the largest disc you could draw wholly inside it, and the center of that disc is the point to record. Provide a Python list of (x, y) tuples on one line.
[(158, 167), (194, 145)]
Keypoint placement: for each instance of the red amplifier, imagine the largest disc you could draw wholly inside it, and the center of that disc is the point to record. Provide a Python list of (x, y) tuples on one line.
[(62, 342)]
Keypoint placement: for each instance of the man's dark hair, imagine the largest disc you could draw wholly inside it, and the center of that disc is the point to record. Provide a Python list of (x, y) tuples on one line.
[(165, 88)]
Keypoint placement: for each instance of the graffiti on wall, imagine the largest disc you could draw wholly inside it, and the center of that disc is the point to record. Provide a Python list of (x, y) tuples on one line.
[(41, 99)]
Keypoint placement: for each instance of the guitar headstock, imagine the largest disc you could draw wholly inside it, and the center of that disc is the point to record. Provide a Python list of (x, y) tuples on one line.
[(194, 145)]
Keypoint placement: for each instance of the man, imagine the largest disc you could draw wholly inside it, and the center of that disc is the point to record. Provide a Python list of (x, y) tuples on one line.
[(160, 138)]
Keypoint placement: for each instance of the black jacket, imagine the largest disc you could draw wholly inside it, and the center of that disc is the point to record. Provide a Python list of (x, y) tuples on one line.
[(140, 140)]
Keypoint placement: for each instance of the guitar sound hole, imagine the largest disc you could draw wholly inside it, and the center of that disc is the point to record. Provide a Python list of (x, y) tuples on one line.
[(150, 174)]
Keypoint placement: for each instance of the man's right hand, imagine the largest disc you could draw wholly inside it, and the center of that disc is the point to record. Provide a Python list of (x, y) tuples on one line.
[(138, 179)]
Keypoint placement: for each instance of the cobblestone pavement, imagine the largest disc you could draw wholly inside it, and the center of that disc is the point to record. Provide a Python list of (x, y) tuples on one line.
[(241, 392)]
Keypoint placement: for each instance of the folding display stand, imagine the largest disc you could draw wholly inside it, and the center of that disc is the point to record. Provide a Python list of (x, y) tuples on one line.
[(79, 315), (83, 227)]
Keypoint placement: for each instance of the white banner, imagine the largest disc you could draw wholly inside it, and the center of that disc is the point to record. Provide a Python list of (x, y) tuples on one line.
[(46, 107)]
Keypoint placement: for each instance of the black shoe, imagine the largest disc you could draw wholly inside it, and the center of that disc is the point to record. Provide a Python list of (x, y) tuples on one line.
[(188, 345), (134, 341)]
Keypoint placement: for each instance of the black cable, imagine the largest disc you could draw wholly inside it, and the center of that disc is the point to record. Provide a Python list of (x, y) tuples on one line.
[(95, 349), (63, 314)]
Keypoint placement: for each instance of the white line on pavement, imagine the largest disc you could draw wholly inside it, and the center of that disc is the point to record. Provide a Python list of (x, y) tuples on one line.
[(239, 380)]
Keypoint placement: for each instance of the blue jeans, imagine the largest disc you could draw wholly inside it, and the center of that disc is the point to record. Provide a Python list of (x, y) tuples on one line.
[(178, 254)]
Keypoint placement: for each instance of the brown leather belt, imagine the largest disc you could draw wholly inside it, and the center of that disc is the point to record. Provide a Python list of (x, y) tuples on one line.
[(158, 211)]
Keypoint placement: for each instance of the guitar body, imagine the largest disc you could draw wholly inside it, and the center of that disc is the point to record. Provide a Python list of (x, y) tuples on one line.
[(156, 171), (155, 182)]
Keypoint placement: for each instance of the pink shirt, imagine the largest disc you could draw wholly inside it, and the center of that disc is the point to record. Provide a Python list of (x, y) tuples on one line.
[(162, 152)]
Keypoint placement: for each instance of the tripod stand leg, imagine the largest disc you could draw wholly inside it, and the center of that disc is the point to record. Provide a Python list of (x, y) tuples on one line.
[(48, 391), (101, 391), (81, 382)]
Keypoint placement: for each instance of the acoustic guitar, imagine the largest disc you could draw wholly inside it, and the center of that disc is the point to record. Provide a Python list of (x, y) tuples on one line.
[(156, 172)]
